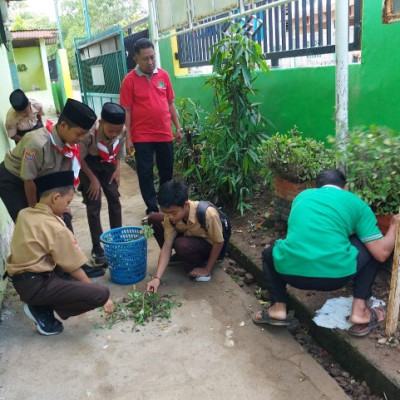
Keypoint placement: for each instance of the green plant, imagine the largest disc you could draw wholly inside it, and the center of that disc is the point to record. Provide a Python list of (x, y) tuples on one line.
[(224, 157), (371, 157), (141, 307), (295, 158)]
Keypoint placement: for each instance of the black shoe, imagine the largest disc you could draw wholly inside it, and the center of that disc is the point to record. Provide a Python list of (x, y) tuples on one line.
[(44, 319), (175, 259), (98, 257), (93, 272)]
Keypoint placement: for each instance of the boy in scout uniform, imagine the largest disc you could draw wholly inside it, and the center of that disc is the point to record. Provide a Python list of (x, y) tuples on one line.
[(41, 152), (101, 152), (40, 246), (178, 228), (24, 116)]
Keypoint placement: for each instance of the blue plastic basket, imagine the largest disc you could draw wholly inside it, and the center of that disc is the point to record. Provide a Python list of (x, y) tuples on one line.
[(126, 252)]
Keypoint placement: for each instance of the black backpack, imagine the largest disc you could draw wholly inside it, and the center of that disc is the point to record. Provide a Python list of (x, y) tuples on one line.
[(226, 225)]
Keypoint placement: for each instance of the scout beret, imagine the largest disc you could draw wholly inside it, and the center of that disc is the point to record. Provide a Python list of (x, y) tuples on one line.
[(18, 100), (80, 114), (54, 180), (113, 113)]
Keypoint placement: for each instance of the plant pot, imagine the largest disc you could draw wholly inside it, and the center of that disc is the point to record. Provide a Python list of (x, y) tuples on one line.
[(383, 222), (284, 193)]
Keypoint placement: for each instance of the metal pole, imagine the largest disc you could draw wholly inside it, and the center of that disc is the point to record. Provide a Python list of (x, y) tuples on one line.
[(87, 19), (154, 31), (224, 19), (342, 72), (60, 37)]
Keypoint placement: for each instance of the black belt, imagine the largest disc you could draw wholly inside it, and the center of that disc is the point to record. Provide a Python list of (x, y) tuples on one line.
[(24, 276)]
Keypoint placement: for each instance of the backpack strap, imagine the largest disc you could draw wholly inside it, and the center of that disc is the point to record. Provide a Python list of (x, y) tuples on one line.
[(201, 212)]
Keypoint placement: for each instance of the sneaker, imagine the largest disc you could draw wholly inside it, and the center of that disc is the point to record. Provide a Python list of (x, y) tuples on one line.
[(44, 319), (99, 258), (203, 278), (93, 272)]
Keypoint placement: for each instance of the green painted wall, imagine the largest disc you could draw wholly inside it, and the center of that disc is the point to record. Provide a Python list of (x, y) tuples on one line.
[(306, 96), (34, 76), (6, 223)]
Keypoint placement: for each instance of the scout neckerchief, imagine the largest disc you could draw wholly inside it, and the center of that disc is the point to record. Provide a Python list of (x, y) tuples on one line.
[(70, 151), (103, 150)]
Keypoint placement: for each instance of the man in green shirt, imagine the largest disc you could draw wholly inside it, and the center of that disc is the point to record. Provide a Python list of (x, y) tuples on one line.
[(332, 238)]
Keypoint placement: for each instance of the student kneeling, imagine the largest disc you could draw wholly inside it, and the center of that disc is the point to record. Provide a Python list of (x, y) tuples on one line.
[(42, 244)]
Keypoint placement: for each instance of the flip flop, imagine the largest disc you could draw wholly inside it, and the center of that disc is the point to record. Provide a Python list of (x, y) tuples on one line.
[(266, 319), (364, 329)]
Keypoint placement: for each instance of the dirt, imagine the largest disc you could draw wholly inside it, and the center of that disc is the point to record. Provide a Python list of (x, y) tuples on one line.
[(256, 229)]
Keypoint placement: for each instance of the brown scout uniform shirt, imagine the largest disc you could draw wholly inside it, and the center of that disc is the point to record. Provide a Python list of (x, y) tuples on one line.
[(15, 121), (88, 144), (213, 234), (41, 241), (35, 156)]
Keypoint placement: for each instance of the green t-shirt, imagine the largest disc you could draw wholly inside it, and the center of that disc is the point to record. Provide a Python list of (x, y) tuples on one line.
[(320, 224)]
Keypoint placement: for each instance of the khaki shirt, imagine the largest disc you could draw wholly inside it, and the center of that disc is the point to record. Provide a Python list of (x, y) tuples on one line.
[(88, 144), (15, 121), (41, 241), (35, 155), (213, 232)]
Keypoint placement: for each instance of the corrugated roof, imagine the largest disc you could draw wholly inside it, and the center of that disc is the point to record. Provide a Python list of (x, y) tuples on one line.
[(31, 37)]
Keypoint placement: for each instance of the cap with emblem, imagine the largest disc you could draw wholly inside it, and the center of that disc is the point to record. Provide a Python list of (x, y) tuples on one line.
[(54, 180), (80, 114), (113, 113), (18, 100)]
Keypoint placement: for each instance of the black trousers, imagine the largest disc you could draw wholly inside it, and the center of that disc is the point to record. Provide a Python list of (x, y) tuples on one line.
[(103, 171), (66, 298), (144, 155), (12, 192), (363, 279), (193, 251)]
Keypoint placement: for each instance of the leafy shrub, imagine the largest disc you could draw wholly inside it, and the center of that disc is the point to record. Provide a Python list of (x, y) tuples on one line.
[(371, 157), (222, 155), (295, 158)]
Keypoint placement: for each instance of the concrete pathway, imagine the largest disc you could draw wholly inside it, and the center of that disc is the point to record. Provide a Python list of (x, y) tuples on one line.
[(210, 349)]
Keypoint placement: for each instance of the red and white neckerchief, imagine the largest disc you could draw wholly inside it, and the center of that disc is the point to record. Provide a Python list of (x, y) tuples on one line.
[(71, 151), (103, 150)]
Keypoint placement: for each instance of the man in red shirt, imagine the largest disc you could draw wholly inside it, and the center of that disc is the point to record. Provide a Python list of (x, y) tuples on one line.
[(148, 98)]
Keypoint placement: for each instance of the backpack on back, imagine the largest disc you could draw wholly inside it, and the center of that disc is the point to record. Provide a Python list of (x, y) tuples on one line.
[(226, 225)]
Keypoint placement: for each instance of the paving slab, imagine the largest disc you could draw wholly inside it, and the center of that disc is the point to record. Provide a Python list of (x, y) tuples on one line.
[(209, 349)]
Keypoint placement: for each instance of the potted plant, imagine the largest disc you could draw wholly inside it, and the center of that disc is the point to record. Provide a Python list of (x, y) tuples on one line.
[(293, 162), (371, 157)]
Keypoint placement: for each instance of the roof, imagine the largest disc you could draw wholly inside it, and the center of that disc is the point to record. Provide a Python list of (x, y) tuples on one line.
[(31, 38)]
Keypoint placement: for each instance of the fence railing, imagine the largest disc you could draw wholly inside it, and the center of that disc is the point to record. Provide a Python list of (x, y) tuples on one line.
[(298, 28)]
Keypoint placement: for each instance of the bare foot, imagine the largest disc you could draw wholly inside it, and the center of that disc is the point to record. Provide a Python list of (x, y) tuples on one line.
[(365, 316), (277, 311)]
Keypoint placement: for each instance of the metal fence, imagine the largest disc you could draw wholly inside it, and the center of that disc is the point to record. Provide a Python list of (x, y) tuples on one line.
[(298, 28)]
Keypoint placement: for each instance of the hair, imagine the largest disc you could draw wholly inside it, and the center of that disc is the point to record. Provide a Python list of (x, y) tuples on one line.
[(142, 44), (63, 190), (331, 177), (173, 193), (70, 124)]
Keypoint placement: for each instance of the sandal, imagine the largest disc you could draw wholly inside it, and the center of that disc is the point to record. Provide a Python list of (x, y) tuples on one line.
[(364, 329), (262, 317)]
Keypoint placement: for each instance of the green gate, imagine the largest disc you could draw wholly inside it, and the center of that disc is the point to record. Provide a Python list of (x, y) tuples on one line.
[(101, 67)]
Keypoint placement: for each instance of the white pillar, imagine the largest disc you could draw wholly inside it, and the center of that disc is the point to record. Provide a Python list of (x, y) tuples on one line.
[(342, 71), (154, 31)]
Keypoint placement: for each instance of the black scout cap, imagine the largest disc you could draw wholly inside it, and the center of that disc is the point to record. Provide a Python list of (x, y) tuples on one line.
[(113, 113), (18, 100), (80, 114), (54, 180)]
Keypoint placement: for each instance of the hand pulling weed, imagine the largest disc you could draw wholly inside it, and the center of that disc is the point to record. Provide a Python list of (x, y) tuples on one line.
[(140, 308)]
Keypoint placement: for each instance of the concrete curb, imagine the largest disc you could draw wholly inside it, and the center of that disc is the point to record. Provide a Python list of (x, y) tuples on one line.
[(337, 343)]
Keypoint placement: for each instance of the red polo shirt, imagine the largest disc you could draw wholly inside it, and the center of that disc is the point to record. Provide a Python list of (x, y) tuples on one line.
[(148, 100)]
